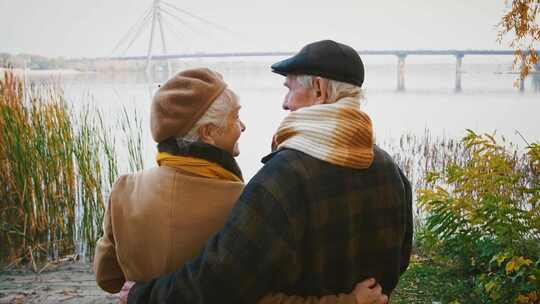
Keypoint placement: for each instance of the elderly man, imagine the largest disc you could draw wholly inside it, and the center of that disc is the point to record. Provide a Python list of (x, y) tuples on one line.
[(327, 210)]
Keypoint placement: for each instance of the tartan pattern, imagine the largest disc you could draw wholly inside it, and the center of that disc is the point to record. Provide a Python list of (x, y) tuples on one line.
[(302, 226)]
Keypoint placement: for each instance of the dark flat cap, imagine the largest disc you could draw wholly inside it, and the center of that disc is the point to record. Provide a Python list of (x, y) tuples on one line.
[(326, 58)]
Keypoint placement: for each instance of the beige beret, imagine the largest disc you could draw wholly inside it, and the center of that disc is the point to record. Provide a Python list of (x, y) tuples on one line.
[(182, 100)]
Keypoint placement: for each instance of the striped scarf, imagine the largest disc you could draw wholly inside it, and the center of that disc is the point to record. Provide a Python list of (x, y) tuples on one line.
[(338, 133)]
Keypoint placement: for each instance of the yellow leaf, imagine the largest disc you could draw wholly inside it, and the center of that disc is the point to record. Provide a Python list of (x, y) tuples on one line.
[(500, 259), (510, 266), (489, 286), (524, 261), (533, 296), (523, 299)]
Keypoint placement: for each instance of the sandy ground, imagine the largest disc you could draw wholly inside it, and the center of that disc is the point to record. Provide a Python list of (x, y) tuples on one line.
[(67, 283)]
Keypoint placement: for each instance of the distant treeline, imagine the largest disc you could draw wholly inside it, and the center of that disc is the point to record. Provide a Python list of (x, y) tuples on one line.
[(37, 62)]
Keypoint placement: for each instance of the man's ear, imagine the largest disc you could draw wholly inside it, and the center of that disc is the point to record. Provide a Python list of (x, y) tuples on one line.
[(321, 87), (206, 133)]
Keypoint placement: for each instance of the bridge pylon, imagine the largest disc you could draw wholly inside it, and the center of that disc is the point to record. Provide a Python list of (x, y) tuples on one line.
[(156, 19), (459, 64), (401, 72)]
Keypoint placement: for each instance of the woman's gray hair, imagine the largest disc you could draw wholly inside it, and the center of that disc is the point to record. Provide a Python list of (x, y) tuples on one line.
[(336, 89), (216, 114)]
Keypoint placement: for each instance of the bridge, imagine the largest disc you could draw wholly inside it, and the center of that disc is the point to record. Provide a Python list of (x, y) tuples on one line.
[(162, 13), (400, 54)]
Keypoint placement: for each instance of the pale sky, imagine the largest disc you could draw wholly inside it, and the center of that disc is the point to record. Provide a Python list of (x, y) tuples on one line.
[(92, 28)]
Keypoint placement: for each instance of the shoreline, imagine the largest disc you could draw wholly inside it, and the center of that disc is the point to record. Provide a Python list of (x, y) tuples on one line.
[(54, 72), (71, 282)]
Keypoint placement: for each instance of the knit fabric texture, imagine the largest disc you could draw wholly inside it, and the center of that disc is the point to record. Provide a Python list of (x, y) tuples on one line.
[(182, 100), (338, 133)]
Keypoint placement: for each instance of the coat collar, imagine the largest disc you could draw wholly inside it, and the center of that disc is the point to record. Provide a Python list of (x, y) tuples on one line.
[(201, 150), (268, 157)]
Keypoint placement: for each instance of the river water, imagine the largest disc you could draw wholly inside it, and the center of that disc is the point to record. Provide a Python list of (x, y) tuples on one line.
[(488, 102)]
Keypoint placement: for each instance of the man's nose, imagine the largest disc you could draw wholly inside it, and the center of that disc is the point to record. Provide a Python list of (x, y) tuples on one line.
[(285, 105), (242, 126)]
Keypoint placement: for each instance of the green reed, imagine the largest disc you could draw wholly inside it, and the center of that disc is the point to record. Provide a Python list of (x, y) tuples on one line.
[(57, 166), (132, 131)]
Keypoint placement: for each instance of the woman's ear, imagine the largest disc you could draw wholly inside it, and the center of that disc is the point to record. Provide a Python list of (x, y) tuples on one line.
[(321, 88), (206, 133)]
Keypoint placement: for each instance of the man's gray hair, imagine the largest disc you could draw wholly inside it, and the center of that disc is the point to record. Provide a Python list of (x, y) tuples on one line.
[(336, 89), (216, 114)]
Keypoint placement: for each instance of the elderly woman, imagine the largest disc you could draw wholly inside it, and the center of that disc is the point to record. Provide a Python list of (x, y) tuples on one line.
[(160, 218)]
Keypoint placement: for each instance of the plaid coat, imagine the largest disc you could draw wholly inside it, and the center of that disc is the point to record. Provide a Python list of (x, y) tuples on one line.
[(302, 226)]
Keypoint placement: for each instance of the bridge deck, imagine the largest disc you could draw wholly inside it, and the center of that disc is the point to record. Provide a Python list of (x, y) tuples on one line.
[(361, 52)]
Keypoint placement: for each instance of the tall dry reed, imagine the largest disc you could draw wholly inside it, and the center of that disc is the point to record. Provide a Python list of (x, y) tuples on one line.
[(56, 169)]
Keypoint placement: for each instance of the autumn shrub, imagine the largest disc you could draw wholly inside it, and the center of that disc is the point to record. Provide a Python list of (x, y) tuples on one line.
[(482, 216)]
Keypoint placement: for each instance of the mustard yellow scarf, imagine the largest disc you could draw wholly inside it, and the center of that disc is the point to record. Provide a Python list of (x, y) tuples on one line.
[(196, 166), (338, 133)]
